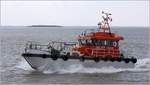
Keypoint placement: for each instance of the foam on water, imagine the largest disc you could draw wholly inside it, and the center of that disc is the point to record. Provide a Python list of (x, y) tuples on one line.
[(24, 65), (141, 65)]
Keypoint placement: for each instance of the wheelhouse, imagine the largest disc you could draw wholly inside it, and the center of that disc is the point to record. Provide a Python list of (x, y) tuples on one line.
[(100, 43)]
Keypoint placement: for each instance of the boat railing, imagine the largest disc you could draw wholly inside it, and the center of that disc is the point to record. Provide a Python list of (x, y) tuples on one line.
[(60, 46), (31, 45)]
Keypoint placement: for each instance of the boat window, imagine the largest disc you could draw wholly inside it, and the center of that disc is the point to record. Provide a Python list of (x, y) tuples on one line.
[(82, 42), (109, 43), (79, 42), (98, 42), (89, 42), (101, 42), (94, 41), (85, 42), (115, 43), (104, 42)]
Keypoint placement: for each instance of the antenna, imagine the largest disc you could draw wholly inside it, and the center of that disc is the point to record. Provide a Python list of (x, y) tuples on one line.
[(105, 23)]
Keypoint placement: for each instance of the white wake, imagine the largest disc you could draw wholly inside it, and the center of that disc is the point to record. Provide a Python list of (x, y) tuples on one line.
[(141, 65)]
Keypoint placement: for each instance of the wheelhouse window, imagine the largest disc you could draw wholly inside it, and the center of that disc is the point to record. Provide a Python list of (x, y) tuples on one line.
[(111, 43), (89, 42), (94, 42), (82, 41), (99, 42), (85, 42)]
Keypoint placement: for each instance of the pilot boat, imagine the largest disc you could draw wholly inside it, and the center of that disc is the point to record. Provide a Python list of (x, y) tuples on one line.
[(100, 46)]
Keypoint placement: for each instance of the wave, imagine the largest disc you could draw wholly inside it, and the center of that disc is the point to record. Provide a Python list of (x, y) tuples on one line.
[(142, 65), (24, 65)]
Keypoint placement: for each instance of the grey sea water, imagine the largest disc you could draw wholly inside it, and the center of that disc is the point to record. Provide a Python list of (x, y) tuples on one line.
[(15, 70)]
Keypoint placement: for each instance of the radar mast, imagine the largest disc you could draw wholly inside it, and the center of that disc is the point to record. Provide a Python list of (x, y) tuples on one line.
[(104, 25)]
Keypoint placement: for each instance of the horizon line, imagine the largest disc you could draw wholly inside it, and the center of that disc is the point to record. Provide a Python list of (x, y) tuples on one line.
[(77, 25)]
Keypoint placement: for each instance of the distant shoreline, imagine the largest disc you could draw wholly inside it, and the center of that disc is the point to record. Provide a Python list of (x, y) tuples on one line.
[(72, 26), (44, 26)]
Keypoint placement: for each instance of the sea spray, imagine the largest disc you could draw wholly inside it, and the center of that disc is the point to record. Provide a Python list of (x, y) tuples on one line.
[(62, 67)]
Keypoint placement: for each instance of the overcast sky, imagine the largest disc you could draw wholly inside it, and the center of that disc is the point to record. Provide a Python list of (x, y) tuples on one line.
[(74, 13)]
